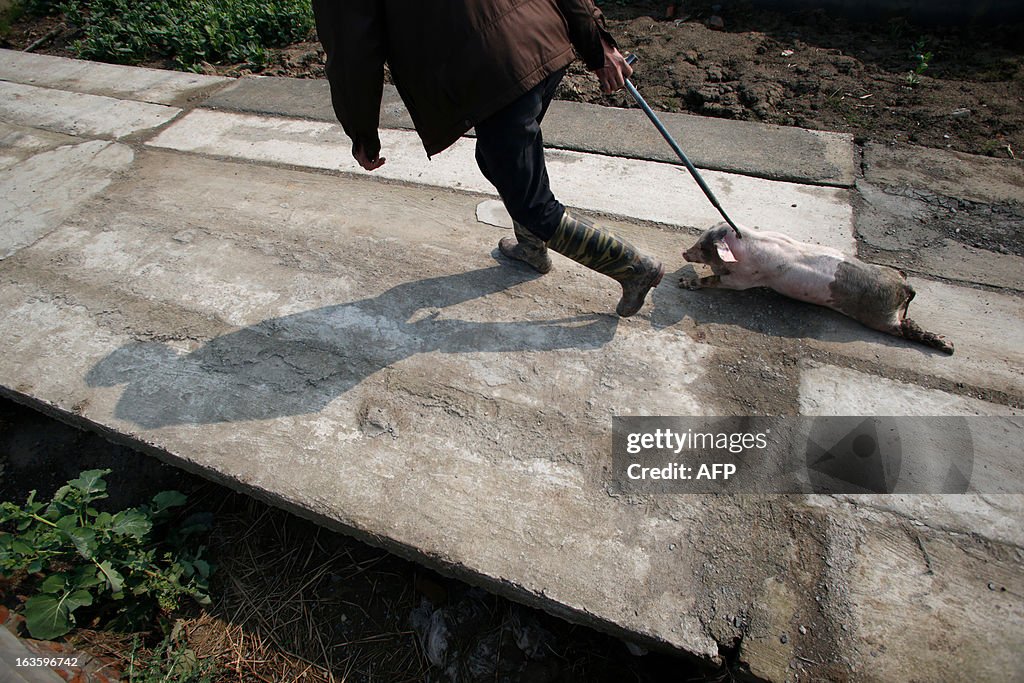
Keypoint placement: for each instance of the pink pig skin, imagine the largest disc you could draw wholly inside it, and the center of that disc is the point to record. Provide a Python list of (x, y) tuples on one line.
[(876, 296)]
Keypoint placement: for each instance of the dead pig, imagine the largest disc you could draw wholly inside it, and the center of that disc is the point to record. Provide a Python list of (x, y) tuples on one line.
[(876, 296)]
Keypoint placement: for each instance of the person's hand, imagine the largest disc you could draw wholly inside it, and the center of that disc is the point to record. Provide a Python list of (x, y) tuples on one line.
[(364, 159), (615, 71)]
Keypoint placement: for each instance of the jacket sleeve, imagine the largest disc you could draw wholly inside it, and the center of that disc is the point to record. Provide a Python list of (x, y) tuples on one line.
[(586, 29), (354, 38)]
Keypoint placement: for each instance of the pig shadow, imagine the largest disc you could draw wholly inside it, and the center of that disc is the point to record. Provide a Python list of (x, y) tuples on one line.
[(767, 312), (297, 364)]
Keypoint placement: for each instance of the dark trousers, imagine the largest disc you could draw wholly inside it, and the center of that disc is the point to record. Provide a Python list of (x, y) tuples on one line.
[(510, 153)]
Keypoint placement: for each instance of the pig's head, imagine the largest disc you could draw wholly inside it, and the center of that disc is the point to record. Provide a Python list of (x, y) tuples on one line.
[(715, 247)]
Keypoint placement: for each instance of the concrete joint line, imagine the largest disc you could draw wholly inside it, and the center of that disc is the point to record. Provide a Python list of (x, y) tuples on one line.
[(645, 190)]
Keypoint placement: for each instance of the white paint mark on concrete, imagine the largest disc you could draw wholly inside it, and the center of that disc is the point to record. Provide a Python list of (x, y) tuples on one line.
[(644, 190), (492, 212), (77, 113)]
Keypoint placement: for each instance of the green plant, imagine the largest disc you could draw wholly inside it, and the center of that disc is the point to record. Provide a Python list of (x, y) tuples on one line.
[(922, 59), (189, 32), (133, 559), (171, 660)]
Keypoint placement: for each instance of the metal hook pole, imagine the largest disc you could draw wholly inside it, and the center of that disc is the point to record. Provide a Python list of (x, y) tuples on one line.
[(630, 59)]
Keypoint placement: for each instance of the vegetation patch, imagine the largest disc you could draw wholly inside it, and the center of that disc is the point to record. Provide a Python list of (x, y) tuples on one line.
[(186, 32), (128, 566)]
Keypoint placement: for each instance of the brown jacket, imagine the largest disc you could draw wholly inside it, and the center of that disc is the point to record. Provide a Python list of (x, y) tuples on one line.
[(454, 62)]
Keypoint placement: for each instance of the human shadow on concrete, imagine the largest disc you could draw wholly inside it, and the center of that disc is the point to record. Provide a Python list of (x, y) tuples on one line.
[(766, 312), (297, 364)]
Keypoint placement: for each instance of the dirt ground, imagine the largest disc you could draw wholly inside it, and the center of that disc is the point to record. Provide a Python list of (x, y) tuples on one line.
[(822, 72), (889, 80)]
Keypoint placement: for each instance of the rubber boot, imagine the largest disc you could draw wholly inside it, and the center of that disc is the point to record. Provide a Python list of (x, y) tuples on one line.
[(600, 250), (526, 247)]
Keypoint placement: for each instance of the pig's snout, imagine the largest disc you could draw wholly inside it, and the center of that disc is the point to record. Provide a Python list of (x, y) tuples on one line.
[(693, 255)]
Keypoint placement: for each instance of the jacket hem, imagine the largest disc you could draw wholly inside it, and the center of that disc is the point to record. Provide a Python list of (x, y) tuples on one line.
[(459, 129)]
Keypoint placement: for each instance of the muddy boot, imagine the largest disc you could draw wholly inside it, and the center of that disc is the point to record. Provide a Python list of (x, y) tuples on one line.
[(526, 247), (600, 250)]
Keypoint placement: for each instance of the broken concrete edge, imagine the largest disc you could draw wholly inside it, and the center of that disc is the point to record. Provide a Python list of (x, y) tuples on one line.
[(454, 570), (969, 177)]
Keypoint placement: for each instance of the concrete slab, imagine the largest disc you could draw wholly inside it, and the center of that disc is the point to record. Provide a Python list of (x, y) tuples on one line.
[(632, 188), (350, 350), (831, 390), (38, 194), (17, 143), (985, 326), (773, 152), (393, 372), (908, 590), (993, 518), (945, 172), (756, 149), (759, 334), (920, 231), (299, 98), (77, 114), (159, 86)]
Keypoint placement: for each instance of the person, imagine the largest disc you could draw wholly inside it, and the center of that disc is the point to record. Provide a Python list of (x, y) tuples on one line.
[(492, 65)]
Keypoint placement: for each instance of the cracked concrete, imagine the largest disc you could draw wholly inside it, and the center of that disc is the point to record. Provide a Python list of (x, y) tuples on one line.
[(94, 115), (44, 190), (352, 348)]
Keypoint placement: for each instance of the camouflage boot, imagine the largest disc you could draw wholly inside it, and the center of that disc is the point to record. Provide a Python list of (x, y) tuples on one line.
[(600, 250), (526, 247)]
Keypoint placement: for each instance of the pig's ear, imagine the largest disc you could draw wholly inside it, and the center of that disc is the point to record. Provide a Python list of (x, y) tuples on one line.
[(724, 252)]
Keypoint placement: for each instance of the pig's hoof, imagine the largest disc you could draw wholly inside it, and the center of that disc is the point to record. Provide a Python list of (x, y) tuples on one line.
[(690, 283)]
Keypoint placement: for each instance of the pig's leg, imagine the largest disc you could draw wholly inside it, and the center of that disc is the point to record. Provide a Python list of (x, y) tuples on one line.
[(908, 329), (690, 282), (912, 331)]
